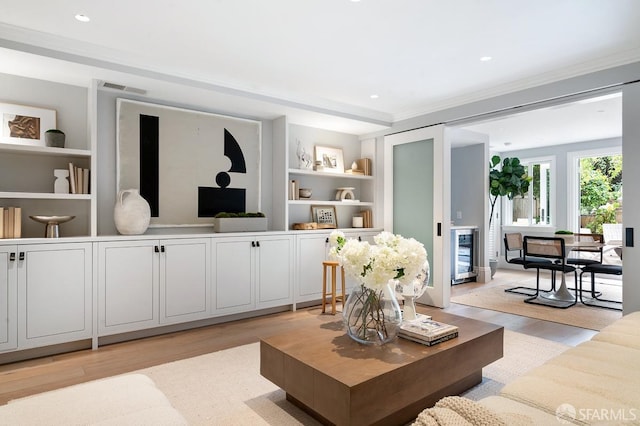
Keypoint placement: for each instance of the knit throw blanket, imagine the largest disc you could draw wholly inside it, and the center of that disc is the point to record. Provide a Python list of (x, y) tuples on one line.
[(459, 411)]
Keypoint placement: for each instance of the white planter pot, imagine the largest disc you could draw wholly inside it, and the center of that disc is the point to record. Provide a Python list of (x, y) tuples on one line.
[(239, 224)]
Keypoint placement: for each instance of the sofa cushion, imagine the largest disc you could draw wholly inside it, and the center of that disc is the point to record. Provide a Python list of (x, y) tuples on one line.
[(596, 379), (128, 399)]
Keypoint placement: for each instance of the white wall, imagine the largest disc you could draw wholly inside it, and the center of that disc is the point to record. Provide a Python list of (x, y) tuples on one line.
[(631, 205)]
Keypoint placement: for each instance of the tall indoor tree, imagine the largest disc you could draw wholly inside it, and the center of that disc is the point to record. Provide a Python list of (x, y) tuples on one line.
[(510, 180)]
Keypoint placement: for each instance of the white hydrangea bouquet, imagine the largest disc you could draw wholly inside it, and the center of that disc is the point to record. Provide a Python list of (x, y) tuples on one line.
[(378, 267)]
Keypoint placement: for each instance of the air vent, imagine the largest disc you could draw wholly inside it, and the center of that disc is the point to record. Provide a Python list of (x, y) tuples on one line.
[(121, 88)]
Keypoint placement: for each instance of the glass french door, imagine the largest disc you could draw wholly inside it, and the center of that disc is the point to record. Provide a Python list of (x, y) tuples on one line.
[(417, 183)]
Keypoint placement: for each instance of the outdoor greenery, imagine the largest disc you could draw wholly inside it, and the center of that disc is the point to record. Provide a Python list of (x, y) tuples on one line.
[(600, 189)]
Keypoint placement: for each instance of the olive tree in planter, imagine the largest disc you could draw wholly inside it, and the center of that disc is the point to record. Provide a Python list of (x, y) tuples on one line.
[(509, 180)]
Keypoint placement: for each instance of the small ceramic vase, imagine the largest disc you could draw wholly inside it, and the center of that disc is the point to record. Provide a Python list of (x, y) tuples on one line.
[(131, 213)]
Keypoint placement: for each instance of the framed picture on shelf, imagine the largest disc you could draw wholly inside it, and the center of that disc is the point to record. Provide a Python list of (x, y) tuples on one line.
[(329, 159), (324, 216), (25, 125)]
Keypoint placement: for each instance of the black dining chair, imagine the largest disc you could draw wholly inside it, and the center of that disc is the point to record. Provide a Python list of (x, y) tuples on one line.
[(512, 243), (586, 255), (552, 249), (596, 300)]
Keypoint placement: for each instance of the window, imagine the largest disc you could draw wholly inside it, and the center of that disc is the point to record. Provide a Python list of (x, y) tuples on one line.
[(537, 207)]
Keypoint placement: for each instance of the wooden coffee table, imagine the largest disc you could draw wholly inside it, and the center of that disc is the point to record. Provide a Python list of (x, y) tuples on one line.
[(339, 381)]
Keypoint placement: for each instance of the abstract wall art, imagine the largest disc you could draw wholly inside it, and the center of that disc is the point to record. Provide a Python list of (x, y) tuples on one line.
[(189, 165)]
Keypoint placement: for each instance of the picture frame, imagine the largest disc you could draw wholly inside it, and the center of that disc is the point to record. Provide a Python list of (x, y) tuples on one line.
[(330, 159), (324, 216), (25, 125)]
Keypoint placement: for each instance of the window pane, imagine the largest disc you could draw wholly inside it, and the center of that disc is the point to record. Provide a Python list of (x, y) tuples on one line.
[(520, 211), (535, 207)]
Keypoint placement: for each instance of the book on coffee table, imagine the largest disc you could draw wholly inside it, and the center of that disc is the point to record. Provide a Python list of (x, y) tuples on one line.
[(427, 331)]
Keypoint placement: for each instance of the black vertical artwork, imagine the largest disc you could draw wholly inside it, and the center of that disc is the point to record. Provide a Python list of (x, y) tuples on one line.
[(212, 201), (150, 161)]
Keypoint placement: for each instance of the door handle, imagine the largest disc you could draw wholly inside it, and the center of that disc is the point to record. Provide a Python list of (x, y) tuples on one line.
[(253, 243), (258, 243), (12, 257), (21, 256), (439, 229), (162, 249), (156, 249)]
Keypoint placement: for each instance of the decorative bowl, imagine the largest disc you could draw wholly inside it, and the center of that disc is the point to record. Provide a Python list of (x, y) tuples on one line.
[(304, 192)]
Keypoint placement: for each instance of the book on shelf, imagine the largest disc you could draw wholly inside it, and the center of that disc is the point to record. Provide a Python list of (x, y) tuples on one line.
[(364, 164), (78, 179), (10, 222), (367, 218), (294, 190), (427, 331)]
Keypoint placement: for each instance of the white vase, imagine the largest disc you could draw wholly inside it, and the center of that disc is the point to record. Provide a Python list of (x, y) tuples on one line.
[(131, 213)]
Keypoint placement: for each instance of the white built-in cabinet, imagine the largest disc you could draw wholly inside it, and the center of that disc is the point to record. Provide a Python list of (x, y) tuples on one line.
[(8, 298), (252, 272), (49, 294), (148, 283)]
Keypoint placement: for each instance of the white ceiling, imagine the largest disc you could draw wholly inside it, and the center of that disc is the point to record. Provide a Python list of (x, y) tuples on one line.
[(596, 118), (319, 60)]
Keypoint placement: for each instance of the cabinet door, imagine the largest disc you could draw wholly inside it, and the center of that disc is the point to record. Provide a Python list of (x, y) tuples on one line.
[(54, 293), (233, 275), (128, 286), (184, 280), (312, 250), (274, 270), (8, 298)]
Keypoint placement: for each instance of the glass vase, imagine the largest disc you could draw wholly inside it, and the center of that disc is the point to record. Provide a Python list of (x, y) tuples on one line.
[(371, 316)]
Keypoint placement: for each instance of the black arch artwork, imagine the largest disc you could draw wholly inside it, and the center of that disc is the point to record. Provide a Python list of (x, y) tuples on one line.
[(212, 200)]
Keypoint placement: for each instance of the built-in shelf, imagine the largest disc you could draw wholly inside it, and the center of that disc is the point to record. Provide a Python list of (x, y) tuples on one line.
[(44, 196), (327, 174), (331, 202), (45, 150)]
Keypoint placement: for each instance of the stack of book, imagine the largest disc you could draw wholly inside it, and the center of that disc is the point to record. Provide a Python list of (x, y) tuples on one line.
[(367, 218), (78, 180), (362, 167), (294, 190), (427, 331), (10, 222)]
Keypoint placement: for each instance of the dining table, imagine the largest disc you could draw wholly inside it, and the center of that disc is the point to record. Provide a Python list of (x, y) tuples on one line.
[(562, 293)]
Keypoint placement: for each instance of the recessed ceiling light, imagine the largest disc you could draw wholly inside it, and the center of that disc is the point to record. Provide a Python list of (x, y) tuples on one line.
[(82, 18), (374, 96), (486, 58), (507, 144)]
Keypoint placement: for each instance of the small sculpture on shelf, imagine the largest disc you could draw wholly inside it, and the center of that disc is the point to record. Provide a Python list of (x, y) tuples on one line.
[(304, 158), (61, 184)]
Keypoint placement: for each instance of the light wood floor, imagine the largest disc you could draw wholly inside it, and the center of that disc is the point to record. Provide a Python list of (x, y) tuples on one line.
[(24, 378)]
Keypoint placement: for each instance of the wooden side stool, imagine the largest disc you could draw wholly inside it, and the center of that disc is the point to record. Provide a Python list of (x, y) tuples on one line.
[(341, 297)]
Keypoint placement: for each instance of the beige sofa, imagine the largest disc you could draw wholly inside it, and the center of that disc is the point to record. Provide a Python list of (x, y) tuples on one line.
[(131, 399), (596, 382)]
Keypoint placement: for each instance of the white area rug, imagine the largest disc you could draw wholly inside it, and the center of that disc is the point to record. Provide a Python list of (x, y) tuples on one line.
[(226, 388)]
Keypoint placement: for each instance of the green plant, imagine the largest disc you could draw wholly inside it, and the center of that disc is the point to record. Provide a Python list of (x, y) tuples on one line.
[(563, 232), (510, 180), (604, 214), (240, 214), (55, 131)]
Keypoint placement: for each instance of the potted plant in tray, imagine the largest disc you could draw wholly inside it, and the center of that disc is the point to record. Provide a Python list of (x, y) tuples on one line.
[(239, 222), (509, 180), (567, 235)]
